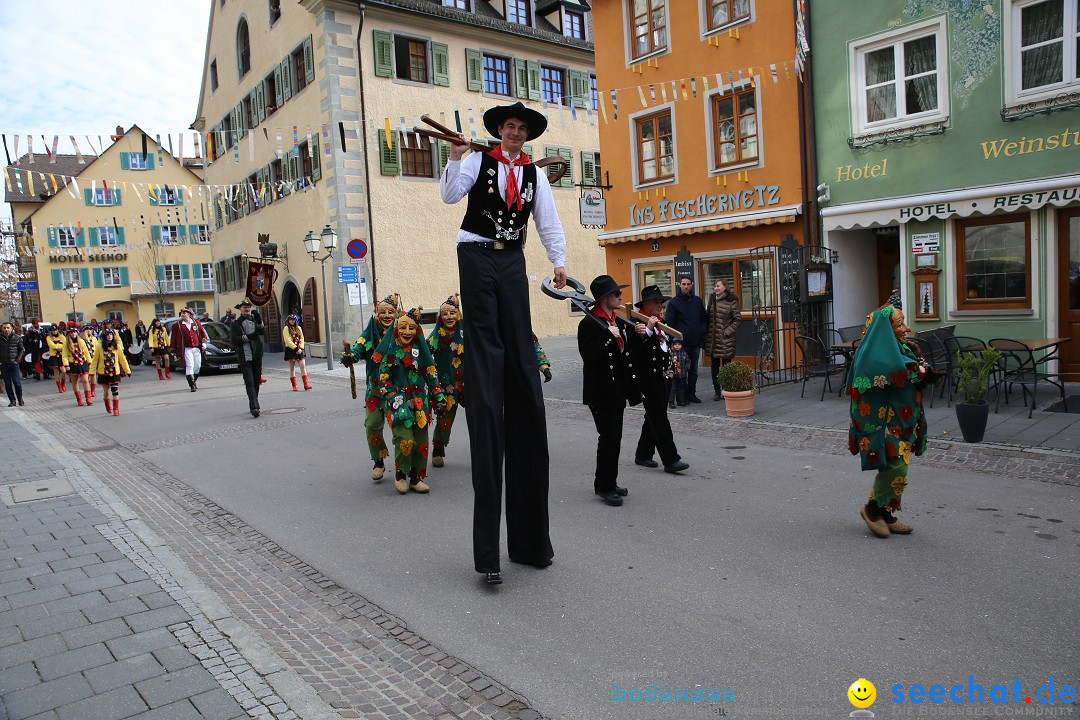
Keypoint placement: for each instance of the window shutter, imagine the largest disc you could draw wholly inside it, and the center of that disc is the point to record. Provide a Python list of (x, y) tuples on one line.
[(88, 195), (440, 60), (384, 53), (185, 272), (57, 281), (534, 79), (99, 277), (52, 234), (196, 271), (80, 238), (124, 281), (179, 195), (528, 150), (125, 161), (181, 234), (294, 168), (95, 237), (259, 108), (84, 277), (120, 235), (567, 180), (117, 200), (588, 167), (149, 161), (444, 155), (155, 233), (388, 156), (521, 78), (154, 195), (579, 87), (278, 96), (240, 124), (217, 215), (286, 79), (309, 61), (160, 272), (474, 69), (316, 161)]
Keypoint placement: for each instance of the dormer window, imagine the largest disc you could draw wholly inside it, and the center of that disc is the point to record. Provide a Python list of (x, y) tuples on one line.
[(573, 24), (517, 11), (459, 4)]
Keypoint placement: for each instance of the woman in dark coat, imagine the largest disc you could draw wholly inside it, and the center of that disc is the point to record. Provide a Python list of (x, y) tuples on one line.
[(724, 316)]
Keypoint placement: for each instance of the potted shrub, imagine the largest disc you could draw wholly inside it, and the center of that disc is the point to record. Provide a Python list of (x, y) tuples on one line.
[(737, 380), (972, 383)]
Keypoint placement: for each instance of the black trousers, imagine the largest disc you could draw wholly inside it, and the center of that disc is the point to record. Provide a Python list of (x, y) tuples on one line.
[(714, 369), (252, 371), (502, 381), (692, 372), (656, 430), (609, 425)]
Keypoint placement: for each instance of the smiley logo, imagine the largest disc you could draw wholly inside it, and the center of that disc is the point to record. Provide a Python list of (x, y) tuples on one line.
[(862, 693)]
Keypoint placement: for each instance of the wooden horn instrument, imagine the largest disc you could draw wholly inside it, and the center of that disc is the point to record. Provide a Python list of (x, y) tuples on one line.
[(641, 317), (445, 133)]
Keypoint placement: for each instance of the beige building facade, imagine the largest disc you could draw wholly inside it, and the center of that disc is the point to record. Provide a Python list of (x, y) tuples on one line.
[(297, 100), (126, 228)]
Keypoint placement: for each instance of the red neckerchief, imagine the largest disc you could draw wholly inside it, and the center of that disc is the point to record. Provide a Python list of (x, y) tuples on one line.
[(603, 315), (513, 192)]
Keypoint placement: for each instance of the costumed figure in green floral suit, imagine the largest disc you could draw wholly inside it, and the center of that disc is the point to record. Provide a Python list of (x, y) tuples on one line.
[(887, 421), (542, 359), (386, 312), (406, 377), (448, 348)]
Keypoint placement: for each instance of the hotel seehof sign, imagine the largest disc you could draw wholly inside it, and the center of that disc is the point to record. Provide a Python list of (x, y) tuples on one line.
[(111, 257)]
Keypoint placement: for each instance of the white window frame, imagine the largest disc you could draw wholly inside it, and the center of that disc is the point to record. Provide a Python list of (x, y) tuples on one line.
[(114, 315), (107, 236), (172, 277), (711, 146), (166, 309), (136, 161), (167, 195), (207, 271), (198, 307), (857, 68), (1011, 40), (110, 277), (69, 276), (203, 235), (104, 197), (703, 19), (654, 110), (65, 238), (170, 234), (580, 15)]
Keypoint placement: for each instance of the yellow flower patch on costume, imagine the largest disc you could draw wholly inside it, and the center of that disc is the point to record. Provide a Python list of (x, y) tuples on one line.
[(406, 447)]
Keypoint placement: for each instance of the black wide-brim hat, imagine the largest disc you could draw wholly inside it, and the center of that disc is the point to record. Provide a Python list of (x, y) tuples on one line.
[(603, 286), (651, 292), (499, 114), (242, 303)]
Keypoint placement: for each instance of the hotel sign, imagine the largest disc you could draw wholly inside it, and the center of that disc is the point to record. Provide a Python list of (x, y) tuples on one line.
[(91, 257)]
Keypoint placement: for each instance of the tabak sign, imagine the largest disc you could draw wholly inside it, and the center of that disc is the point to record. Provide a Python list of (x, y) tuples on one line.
[(705, 205)]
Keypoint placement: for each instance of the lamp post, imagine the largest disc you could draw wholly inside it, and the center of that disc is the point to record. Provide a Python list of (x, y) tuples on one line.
[(328, 240), (72, 290)]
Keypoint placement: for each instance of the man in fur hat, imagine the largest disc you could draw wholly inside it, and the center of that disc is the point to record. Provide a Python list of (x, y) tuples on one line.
[(504, 189)]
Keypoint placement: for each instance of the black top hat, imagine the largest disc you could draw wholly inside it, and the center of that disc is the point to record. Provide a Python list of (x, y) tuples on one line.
[(603, 286), (499, 114), (651, 292)]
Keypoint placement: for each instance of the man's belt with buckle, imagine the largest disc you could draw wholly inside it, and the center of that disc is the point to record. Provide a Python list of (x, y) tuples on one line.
[(505, 238)]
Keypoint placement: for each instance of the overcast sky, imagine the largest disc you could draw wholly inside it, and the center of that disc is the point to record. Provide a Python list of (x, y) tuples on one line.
[(82, 67)]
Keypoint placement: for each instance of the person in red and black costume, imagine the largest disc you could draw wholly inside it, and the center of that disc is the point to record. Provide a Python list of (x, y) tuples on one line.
[(608, 380), (189, 341), (504, 190)]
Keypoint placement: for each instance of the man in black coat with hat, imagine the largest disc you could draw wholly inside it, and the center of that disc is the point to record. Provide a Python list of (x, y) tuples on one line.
[(652, 359), (609, 381), (502, 377)]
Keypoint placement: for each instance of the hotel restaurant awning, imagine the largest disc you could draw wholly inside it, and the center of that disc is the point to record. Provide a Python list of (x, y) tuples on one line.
[(1010, 197), (710, 224)]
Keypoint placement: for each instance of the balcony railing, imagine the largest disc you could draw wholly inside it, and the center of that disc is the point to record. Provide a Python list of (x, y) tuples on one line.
[(140, 288)]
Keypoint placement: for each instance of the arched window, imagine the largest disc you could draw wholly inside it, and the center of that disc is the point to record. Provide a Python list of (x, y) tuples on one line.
[(243, 48)]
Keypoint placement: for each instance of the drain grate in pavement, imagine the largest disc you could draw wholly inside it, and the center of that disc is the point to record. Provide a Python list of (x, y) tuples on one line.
[(281, 411), (25, 492), (1073, 401)]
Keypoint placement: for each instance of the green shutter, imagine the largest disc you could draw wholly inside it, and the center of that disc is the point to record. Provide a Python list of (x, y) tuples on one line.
[(388, 156), (181, 234), (534, 79), (153, 196), (521, 78), (474, 70), (84, 277), (185, 273), (316, 161), (80, 238), (117, 200), (528, 150), (196, 271), (160, 272), (383, 42), (444, 155), (295, 172), (120, 235), (309, 61), (241, 122), (286, 79), (567, 180), (57, 282), (260, 102), (179, 195), (124, 281), (440, 61), (88, 195), (125, 162), (95, 237), (149, 161), (588, 167), (99, 277), (579, 87), (278, 95), (52, 233), (155, 233)]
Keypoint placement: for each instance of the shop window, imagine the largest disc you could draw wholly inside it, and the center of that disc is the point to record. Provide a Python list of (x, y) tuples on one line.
[(655, 148), (750, 279), (648, 22), (993, 257), (735, 128)]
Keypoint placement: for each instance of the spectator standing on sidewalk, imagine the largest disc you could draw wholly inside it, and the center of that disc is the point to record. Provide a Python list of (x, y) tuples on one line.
[(11, 353), (247, 336), (686, 313), (679, 362), (724, 317)]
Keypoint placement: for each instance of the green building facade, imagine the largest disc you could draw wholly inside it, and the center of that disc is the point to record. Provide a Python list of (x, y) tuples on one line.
[(948, 134)]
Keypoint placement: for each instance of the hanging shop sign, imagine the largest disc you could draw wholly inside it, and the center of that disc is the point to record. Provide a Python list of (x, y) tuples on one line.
[(592, 208), (705, 205)]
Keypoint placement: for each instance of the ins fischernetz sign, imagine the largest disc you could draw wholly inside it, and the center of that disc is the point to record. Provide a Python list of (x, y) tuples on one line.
[(705, 205)]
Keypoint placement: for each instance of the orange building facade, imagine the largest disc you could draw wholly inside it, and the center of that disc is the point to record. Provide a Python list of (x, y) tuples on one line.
[(702, 145)]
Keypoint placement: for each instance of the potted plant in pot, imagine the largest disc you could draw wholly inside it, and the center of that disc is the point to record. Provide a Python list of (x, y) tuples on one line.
[(737, 380), (972, 382)]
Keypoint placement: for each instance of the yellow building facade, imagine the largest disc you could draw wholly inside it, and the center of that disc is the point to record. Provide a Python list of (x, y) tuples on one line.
[(126, 228), (297, 100)]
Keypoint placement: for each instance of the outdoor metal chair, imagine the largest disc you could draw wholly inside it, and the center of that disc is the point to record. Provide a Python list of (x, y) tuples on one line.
[(851, 332), (923, 347), (1021, 367), (938, 356), (816, 361)]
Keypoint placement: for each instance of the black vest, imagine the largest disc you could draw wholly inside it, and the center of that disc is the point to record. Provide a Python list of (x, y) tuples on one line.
[(487, 214)]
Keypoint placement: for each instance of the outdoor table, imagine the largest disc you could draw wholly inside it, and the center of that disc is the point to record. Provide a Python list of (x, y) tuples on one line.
[(847, 350)]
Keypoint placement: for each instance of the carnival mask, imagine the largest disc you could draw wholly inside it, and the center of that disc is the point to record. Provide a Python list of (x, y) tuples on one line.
[(448, 314), (406, 329), (385, 314), (899, 326)]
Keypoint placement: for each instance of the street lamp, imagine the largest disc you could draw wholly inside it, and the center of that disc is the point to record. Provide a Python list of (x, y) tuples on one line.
[(72, 290), (328, 240)]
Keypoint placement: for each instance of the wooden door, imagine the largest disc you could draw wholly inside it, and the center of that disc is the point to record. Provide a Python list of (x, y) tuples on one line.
[(309, 312), (888, 266), (1069, 292), (273, 321)]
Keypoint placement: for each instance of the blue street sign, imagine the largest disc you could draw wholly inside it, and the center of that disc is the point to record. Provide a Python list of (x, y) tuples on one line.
[(25, 285), (348, 274)]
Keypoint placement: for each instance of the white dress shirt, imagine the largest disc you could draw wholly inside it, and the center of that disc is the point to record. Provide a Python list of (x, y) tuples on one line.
[(459, 178)]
